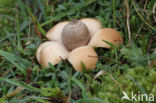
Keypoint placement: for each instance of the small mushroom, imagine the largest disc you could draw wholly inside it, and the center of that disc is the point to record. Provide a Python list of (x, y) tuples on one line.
[(75, 34), (107, 34), (51, 52), (83, 55), (75, 41), (54, 34)]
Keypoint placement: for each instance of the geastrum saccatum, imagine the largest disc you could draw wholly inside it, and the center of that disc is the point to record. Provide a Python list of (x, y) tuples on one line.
[(74, 40)]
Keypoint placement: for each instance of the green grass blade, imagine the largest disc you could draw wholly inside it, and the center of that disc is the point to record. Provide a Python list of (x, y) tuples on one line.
[(22, 84), (12, 58), (57, 17), (114, 13), (21, 6), (36, 21), (40, 5), (78, 83)]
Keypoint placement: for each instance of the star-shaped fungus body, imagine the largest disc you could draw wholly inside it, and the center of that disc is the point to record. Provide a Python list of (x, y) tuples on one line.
[(74, 40)]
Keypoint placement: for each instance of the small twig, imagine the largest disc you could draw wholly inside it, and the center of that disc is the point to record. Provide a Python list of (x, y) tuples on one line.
[(116, 82), (69, 97), (102, 57), (28, 79), (37, 31), (99, 57), (154, 7), (104, 72), (121, 7), (128, 24), (145, 4), (62, 59), (139, 30), (96, 56), (140, 16), (35, 24), (144, 10), (147, 16)]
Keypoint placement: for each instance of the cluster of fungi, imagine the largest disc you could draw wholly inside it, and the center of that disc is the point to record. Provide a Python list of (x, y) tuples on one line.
[(74, 40)]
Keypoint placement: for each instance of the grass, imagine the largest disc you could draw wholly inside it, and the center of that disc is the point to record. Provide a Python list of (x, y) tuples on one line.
[(23, 25)]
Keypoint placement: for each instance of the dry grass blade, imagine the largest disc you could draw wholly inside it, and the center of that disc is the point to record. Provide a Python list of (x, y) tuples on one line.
[(145, 4), (128, 25), (100, 57), (116, 82), (140, 16), (13, 93), (35, 23), (154, 7), (68, 98), (101, 72)]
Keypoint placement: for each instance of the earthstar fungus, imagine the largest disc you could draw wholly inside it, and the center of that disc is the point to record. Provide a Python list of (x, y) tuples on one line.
[(74, 40)]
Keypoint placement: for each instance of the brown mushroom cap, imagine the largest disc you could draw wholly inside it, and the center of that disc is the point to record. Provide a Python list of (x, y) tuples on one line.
[(107, 34), (93, 25), (83, 55), (51, 52), (75, 34), (55, 32)]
